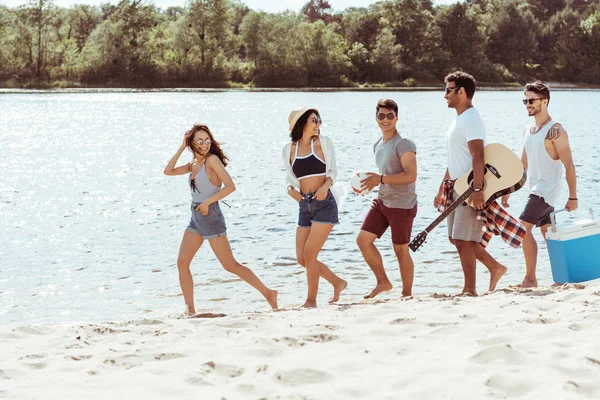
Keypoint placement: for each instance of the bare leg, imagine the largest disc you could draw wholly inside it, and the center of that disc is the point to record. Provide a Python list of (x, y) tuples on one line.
[(530, 251), (366, 244), (222, 250), (468, 261), (324, 272), (314, 243), (190, 243), (407, 268), (496, 269)]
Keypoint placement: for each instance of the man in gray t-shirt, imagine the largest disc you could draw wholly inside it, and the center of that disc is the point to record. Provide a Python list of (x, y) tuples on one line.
[(396, 205)]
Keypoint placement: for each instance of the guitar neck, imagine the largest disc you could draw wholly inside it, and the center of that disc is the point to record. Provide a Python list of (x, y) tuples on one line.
[(449, 209)]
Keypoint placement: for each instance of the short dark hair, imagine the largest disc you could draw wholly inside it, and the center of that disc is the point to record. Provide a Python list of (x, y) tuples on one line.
[(296, 133), (539, 88), (463, 80), (387, 103)]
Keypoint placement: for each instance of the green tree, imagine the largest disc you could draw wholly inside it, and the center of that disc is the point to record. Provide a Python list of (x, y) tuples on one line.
[(545, 9), (512, 32), (409, 21), (387, 56), (317, 10), (462, 40)]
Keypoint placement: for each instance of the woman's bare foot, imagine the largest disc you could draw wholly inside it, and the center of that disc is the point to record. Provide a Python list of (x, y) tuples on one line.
[(309, 304), (337, 290), (467, 294), (272, 298), (381, 287), (495, 276)]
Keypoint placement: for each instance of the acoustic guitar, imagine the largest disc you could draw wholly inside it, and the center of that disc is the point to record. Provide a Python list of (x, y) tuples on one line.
[(503, 174)]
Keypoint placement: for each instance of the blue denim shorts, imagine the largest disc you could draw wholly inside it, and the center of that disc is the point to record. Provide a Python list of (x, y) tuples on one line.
[(208, 226), (320, 211)]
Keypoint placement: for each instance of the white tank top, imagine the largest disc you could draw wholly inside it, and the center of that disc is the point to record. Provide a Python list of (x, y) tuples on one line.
[(544, 173)]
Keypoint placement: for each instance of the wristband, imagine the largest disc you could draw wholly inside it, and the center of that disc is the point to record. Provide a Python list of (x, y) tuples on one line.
[(381, 179), (573, 198)]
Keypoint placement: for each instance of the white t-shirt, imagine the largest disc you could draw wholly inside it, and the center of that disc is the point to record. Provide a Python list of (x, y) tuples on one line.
[(465, 127)]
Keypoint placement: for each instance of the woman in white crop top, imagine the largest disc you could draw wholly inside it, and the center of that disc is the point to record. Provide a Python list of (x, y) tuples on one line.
[(309, 160), (209, 183)]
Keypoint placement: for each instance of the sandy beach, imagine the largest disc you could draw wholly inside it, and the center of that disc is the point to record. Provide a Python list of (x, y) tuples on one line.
[(540, 343)]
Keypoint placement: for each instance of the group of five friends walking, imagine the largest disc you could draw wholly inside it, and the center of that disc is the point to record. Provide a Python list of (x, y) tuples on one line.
[(310, 164)]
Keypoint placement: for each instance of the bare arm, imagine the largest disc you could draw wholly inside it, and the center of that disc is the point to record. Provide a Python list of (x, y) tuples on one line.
[(476, 150), (170, 169), (560, 140)]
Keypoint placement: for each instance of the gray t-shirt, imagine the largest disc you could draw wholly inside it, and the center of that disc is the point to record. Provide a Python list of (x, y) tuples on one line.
[(387, 157)]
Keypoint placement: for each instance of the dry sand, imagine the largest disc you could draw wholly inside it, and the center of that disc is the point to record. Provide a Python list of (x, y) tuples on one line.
[(534, 344)]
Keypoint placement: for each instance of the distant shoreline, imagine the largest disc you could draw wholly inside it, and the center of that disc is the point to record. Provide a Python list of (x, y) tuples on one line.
[(553, 86)]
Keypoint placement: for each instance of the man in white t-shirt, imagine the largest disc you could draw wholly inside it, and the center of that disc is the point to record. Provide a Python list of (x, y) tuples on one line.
[(465, 142)]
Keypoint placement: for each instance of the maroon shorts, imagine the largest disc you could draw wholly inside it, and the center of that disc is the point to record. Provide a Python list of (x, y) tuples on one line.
[(380, 217)]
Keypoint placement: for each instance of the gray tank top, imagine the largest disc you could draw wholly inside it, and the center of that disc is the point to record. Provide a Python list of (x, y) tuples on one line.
[(204, 187)]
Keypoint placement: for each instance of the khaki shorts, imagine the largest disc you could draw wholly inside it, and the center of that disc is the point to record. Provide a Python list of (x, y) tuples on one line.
[(463, 223)]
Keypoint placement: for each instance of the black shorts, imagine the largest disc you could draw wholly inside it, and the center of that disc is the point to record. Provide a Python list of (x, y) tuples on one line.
[(537, 211)]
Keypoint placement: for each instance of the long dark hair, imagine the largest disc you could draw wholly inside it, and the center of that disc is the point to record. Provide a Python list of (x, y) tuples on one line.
[(215, 147), (296, 133)]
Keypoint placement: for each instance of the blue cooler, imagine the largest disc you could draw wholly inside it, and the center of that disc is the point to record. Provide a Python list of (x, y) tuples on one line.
[(574, 250)]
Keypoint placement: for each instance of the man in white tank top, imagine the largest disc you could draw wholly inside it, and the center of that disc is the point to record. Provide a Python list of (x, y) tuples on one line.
[(545, 151)]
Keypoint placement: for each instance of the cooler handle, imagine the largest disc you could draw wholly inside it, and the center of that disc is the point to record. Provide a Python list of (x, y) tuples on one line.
[(553, 218)]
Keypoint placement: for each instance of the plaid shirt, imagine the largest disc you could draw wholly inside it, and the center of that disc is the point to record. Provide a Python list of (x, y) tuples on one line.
[(496, 221)]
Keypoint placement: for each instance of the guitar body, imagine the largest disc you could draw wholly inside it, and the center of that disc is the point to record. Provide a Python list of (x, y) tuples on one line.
[(504, 174)]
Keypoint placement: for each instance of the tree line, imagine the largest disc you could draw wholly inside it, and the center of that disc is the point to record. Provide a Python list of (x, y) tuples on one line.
[(223, 43)]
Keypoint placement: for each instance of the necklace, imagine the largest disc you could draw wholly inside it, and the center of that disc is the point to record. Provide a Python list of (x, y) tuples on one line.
[(535, 129)]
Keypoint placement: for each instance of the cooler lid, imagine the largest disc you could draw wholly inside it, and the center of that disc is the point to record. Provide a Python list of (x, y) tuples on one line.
[(581, 228)]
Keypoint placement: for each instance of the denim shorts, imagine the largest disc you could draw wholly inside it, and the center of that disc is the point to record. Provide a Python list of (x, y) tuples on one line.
[(208, 226), (320, 211)]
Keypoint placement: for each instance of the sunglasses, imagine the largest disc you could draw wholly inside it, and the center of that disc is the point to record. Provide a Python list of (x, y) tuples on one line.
[(316, 121), (530, 101), (382, 116), (448, 89), (200, 142)]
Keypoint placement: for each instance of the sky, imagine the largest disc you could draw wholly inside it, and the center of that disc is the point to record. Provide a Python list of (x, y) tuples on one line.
[(264, 5)]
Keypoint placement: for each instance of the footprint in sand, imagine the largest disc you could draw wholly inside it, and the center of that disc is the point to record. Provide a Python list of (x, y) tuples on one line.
[(212, 371), (498, 354), (291, 342), (303, 376), (168, 356), (587, 389), (294, 342), (36, 366), (510, 386), (35, 356), (78, 358), (320, 338)]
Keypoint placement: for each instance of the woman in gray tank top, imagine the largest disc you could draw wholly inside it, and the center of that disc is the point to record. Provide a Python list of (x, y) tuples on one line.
[(209, 183)]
